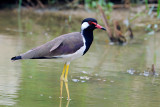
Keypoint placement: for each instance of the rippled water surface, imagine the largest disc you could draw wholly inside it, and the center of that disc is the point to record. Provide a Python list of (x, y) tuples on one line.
[(98, 79)]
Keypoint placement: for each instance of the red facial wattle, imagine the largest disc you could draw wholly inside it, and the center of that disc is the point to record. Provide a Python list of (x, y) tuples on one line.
[(97, 25)]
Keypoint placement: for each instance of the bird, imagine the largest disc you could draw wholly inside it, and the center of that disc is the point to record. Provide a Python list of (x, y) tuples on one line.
[(67, 47)]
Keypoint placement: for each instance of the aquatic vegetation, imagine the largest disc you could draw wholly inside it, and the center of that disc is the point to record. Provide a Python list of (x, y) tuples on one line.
[(93, 4), (146, 3), (146, 73), (118, 33), (158, 10)]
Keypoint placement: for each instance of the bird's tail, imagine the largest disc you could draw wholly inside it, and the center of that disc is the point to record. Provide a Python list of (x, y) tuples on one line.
[(16, 58)]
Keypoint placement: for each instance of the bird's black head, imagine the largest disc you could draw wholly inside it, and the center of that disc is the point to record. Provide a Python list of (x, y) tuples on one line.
[(89, 19), (90, 23)]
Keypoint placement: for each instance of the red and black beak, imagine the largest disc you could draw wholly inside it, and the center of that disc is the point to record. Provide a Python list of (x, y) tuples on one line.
[(98, 26)]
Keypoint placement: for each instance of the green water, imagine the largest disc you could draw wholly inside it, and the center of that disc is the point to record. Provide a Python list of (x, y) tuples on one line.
[(36, 83)]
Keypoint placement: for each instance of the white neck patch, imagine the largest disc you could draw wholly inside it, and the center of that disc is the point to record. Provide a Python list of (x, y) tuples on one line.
[(84, 25)]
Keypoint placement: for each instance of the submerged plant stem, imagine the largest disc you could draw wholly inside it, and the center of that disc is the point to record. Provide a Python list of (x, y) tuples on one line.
[(19, 6)]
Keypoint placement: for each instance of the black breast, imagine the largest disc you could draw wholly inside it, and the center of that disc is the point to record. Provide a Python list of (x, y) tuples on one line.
[(88, 36)]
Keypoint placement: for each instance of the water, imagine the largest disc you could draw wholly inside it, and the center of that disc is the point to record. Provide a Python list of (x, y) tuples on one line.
[(99, 78)]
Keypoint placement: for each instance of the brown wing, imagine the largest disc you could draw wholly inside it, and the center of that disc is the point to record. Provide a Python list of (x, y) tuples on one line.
[(62, 45)]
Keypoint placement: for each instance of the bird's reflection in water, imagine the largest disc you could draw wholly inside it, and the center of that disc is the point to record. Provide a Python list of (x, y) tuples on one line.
[(67, 104)]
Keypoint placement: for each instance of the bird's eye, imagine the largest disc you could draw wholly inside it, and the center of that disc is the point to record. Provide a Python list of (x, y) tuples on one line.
[(90, 22)]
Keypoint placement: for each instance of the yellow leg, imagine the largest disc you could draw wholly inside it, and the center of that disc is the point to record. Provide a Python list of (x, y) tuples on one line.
[(66, 81), (67, 103), (61, 80), (60, 104)]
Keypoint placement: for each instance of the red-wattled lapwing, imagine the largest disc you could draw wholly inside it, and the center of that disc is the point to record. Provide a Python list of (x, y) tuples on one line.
[(67, 47)]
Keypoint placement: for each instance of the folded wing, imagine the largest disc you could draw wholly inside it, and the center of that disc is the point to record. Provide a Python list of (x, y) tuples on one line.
[(62, 45)]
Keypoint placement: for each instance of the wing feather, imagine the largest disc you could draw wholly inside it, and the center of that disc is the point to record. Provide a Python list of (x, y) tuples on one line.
[(62, 45)]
